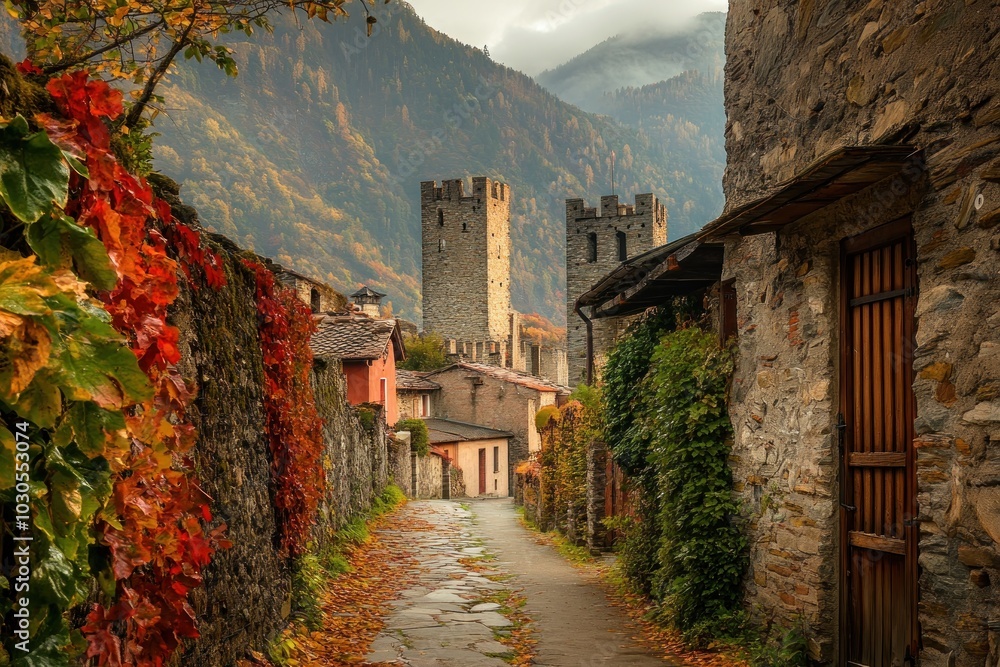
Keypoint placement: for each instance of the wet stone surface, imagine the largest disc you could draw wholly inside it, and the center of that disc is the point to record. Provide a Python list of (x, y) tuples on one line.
[(443, 619), (446, 618)]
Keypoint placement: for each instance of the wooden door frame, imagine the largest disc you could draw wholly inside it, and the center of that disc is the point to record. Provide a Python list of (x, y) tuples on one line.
[(901, 228)]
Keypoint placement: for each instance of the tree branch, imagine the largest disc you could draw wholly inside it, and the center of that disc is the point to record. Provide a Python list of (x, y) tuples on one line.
[(135, 113), (66, 64)]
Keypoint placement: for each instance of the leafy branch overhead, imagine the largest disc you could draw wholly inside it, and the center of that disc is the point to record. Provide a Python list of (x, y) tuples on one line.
[(139, 40)]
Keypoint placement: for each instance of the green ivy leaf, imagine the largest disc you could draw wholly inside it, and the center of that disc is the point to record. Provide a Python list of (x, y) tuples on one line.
[(56, 239), (54, 581), (41, 402), (89, 426), (33, 172)]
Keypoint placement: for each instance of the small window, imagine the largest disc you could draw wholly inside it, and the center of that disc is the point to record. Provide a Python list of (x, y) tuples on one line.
[(425, 406), (441, 245), (591, 247), (496, 459), (465, 227), (383, 390), (441, 217), (622, 246), (314, 300)]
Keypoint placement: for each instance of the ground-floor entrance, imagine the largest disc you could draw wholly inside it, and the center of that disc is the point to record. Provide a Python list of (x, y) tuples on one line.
[(878, 531)]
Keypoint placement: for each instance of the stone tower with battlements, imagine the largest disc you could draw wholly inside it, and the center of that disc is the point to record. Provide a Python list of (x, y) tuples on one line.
[(466, 259), (597, 241)]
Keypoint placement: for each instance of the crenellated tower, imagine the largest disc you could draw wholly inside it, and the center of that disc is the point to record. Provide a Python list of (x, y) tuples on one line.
[(597, 241), (466, 259)]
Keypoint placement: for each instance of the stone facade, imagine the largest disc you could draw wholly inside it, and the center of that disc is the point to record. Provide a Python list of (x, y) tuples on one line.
[(594, 240), (246, 597), (804, 78), (466, 259), (478, 398), (320, 298)]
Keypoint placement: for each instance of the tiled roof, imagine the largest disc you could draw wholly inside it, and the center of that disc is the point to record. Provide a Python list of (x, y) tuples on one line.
[(446, 430), (367, 291), (508, 375), (353, 337), (414, 381)]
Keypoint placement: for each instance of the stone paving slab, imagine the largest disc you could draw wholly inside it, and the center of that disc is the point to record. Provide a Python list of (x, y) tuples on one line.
[(441, 620), (444, 620)]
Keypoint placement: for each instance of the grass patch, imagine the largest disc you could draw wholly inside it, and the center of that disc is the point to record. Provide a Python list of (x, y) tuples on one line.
[(574, 553), (518, 636), (312, 572)]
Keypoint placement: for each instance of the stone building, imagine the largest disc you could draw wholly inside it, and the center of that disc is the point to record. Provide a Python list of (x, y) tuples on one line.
[(597, 241), (860, 278), (466, 259), (467, 281), (415, 394), (496, 398), (320, 297)]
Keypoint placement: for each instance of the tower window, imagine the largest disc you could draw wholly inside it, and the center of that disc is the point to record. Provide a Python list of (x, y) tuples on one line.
[(622, 246), (314, 300), (441, 217), (441, 245), (465, 227), (592, 247)]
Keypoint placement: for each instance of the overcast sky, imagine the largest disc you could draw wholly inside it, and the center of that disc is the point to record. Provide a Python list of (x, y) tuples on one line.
[(534, 35)]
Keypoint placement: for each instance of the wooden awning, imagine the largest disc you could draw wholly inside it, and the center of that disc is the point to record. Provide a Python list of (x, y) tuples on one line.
[(647, 280), (836, 175)]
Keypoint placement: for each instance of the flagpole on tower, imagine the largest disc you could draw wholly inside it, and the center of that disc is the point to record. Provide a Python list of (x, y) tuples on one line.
[(613, 173)]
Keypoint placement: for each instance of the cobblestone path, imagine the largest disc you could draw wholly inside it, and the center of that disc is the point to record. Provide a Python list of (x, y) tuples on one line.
[(452, 617)]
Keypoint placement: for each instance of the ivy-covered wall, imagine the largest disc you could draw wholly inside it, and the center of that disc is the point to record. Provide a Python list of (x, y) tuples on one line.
[(246, 598)]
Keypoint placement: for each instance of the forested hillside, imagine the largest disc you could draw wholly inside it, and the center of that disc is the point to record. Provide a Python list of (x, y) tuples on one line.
[(314, 153)]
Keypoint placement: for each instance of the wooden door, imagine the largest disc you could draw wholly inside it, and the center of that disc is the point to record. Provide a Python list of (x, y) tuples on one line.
[(482, 471), (879, 535)]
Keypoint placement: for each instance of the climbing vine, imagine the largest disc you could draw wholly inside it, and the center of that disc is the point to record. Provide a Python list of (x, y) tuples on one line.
[(94, 383), (566, 432), (294, 427), (702, 550)]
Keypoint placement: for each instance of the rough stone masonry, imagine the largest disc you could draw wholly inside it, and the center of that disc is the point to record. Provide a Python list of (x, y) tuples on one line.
[(802, 78)]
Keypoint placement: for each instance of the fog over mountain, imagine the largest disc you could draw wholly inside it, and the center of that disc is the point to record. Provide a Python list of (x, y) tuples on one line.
[(534, 35), (639, 58)]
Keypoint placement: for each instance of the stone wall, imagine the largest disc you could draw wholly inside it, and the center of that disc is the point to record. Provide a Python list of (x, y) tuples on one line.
[(495, 404), (803, 78), (644, 226), (457, 479), (246, 598), (429, 476), (466, 259)]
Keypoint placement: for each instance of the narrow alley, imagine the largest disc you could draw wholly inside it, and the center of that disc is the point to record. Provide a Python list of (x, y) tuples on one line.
[(451, 614)]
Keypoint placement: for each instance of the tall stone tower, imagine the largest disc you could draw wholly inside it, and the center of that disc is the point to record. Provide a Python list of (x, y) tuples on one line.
[(597, 241), (466, 259)]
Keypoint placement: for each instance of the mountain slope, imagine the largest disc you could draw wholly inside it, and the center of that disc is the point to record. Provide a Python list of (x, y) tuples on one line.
[(669, 87), (639, 58), (315, 152)]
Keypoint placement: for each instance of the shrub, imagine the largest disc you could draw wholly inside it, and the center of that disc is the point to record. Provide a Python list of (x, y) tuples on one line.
[(419, 437), (424, 353)]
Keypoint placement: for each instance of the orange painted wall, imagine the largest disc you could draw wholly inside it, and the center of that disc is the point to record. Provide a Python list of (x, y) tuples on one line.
[(363, 383)]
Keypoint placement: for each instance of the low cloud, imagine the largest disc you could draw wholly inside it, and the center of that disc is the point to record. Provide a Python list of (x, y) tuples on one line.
[(535, 35)]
